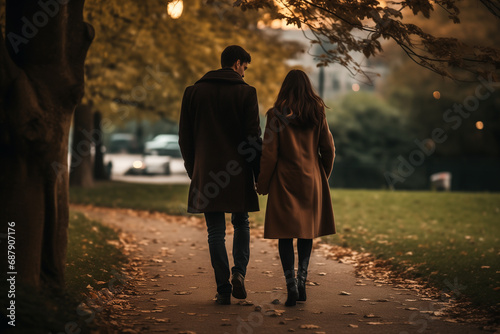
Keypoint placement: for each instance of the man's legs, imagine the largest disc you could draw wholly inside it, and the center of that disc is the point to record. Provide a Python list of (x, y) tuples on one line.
[(241, 242), (216, 227), (241, 253)]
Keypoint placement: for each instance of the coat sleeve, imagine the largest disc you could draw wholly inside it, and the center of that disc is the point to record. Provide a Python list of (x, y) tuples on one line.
[(270, 149), (253, 132), (326, 147), (186, 138)]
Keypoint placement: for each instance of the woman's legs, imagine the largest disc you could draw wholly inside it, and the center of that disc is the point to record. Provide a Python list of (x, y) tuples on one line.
[(287, 261), (304, 248), (287, 258)]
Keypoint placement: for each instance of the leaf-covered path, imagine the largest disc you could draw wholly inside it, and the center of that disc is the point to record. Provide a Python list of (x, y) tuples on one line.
[(175, 287)]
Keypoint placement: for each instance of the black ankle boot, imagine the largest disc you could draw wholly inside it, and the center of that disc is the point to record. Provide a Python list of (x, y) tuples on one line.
[(301, 285), (293, 293)]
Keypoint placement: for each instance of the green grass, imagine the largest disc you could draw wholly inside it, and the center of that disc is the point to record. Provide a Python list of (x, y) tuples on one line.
[(170, 199), (90, 259), (451, 239)]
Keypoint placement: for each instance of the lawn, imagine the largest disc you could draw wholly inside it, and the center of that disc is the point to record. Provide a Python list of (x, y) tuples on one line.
[(92, 257), (452, 239), (91, 260)]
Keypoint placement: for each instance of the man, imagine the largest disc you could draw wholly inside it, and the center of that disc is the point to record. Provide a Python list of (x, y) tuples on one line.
[(219, 136)]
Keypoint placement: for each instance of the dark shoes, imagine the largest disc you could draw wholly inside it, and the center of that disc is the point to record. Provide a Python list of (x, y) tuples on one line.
[(293, 293), (238, 283), (223, 298)]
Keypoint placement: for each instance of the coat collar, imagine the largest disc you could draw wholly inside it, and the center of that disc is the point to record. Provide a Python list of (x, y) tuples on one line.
[(224, 74)]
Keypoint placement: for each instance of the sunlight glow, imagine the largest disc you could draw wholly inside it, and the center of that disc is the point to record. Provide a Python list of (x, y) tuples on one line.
[(277, 24), (175, 8)]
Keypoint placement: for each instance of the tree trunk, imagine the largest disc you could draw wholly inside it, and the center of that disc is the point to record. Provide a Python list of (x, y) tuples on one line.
[(81, 160), (100, 171), (41, 82)]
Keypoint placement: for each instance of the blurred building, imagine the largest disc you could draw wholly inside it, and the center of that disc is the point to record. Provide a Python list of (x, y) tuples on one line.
[(334, 80)]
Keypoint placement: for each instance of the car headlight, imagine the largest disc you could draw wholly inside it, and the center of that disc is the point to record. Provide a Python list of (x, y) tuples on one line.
[(138, 164)]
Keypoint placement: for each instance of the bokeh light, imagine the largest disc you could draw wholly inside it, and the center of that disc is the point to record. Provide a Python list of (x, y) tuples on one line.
[(175, 8), (479, 125), (436, 94), (355, 87)]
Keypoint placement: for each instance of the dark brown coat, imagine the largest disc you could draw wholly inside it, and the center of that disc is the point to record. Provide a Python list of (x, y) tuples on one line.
[(294, 170), (219, 136)]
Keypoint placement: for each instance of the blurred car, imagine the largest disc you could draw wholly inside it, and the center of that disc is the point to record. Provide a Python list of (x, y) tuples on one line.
[(123, 143), (161, 141), (158, 153)]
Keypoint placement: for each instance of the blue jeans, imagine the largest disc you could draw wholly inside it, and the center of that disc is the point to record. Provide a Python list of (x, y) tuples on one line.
[(216, 227)]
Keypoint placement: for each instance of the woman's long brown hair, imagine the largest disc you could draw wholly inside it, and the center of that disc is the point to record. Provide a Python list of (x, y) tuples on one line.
[(297, 100)]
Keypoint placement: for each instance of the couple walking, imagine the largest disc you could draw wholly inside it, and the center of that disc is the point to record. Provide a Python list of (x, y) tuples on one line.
[(229, 163)]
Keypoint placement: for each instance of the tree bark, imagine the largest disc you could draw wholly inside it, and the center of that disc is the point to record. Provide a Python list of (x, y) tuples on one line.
[(100, 171), (81, 160), (41, 83)]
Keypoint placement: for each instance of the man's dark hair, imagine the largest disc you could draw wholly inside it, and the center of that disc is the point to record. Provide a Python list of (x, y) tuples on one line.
[(232, 54)]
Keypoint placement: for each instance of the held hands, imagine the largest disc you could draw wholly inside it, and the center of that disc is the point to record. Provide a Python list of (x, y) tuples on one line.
[(258, 190)]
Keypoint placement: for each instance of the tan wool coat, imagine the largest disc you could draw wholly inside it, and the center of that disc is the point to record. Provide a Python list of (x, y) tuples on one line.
[(294, 170)]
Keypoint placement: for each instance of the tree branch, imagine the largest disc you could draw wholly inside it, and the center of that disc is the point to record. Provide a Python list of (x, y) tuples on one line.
[(435, 54), (493, 6)]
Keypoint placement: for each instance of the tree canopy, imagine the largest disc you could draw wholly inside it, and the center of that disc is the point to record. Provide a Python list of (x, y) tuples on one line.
[(142, 59)]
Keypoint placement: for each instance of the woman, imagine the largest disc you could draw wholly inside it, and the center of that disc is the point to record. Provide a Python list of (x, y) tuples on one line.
[(297, 159)]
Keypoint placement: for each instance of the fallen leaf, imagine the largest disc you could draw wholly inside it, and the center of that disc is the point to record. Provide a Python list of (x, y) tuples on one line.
[(344, 293), (310, 283), (245, 303), (309, 326), (163, 320), (274, 313)]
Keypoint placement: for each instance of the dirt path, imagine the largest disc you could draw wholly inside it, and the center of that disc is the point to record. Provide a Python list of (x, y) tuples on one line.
[(176, 292)]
